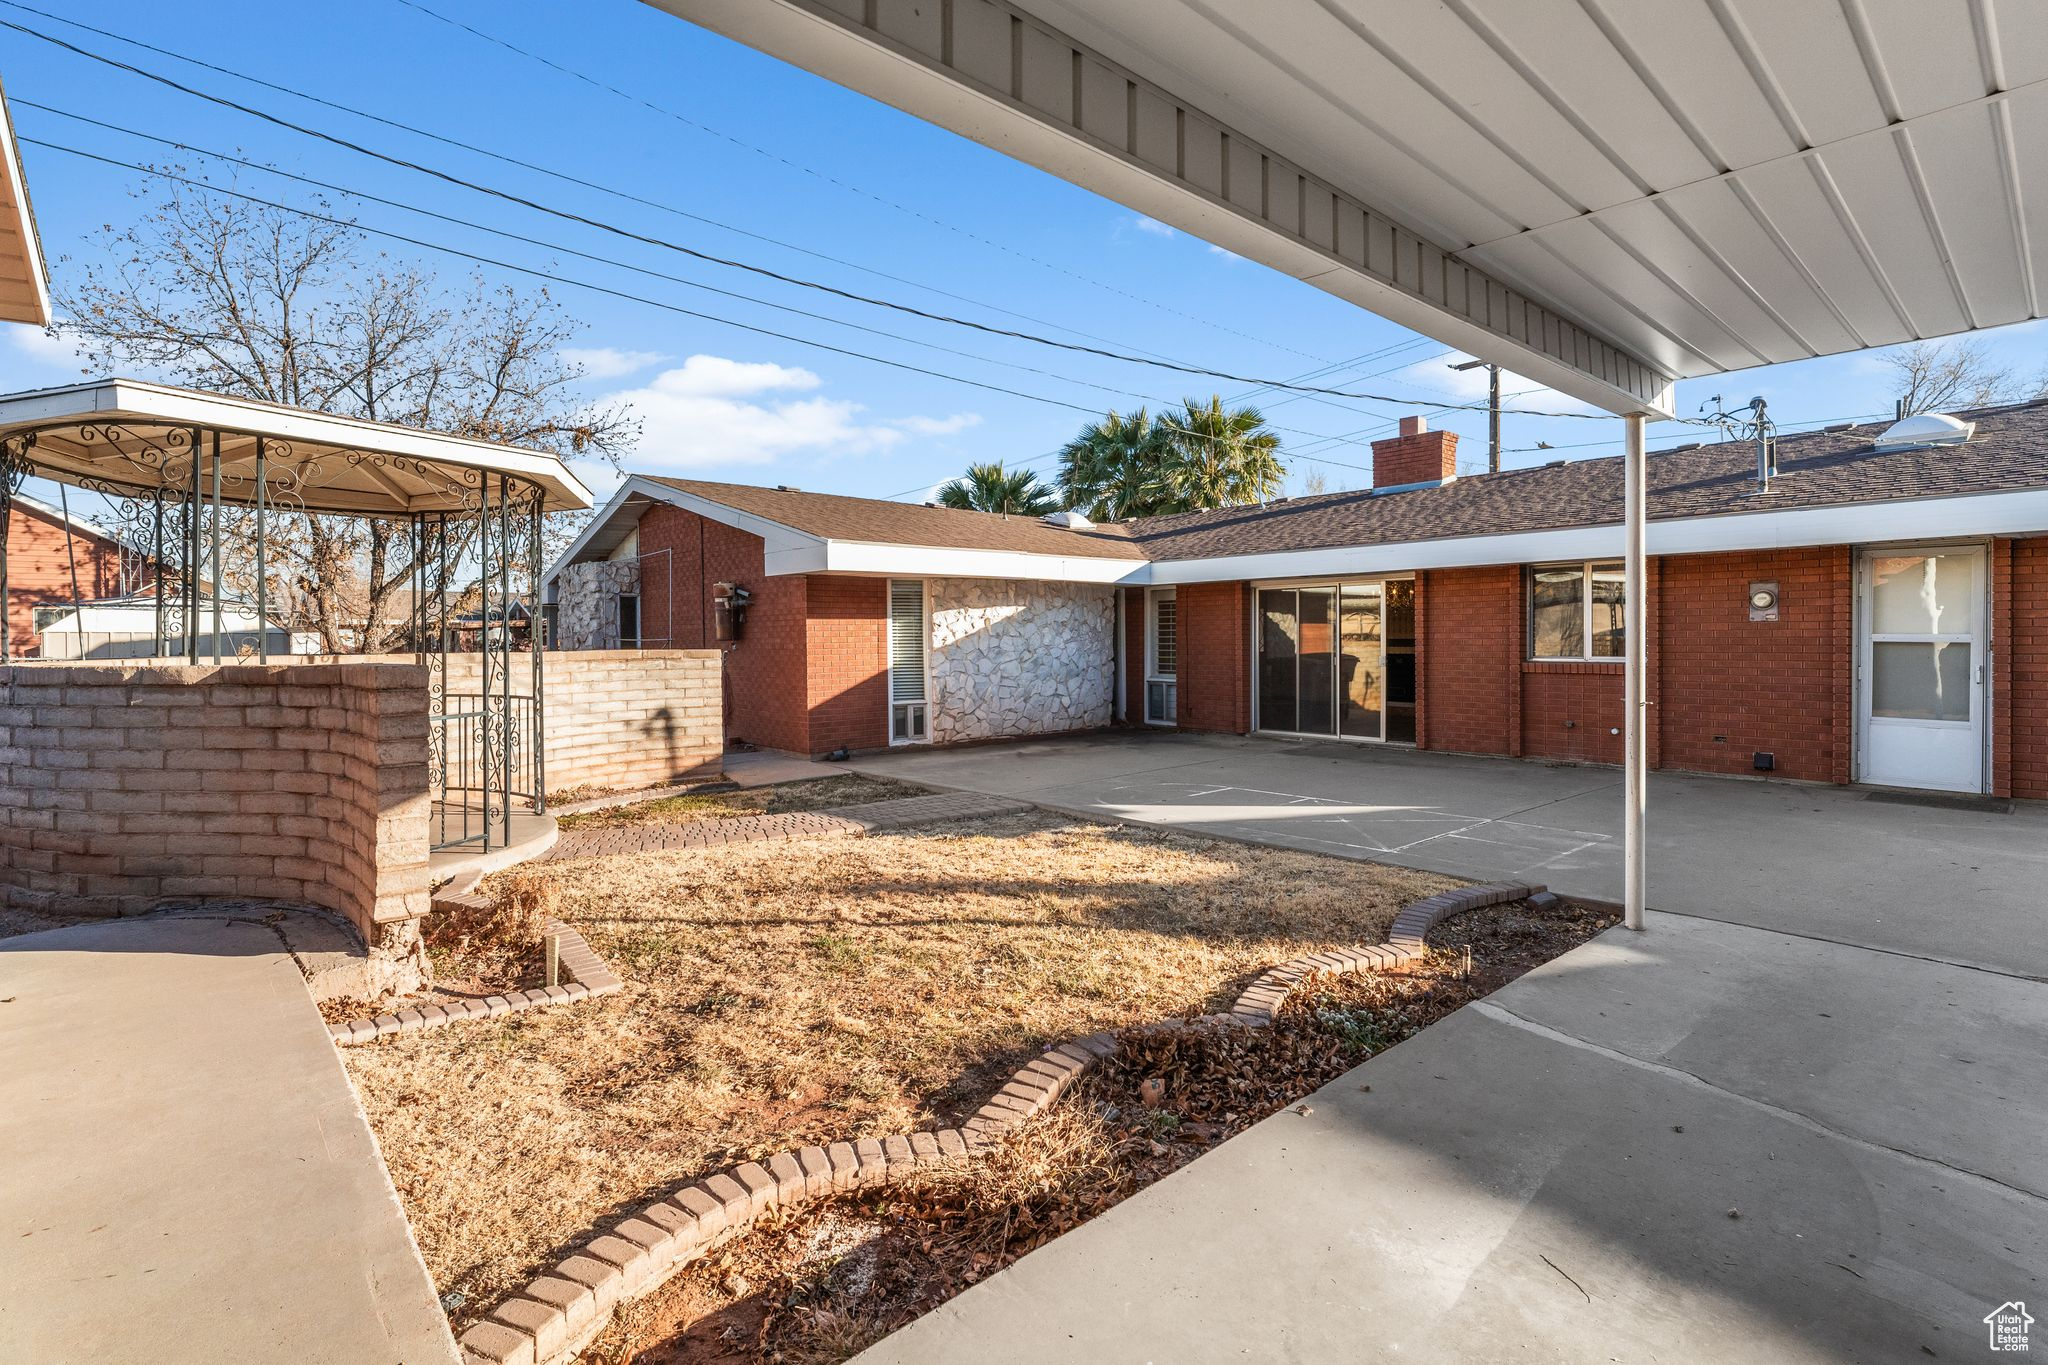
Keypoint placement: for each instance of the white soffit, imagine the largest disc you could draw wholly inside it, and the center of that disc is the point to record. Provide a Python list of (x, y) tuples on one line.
[(1697, 185)]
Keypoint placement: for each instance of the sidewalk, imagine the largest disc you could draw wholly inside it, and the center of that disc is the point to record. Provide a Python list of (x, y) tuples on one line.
[(1701, 1143), (188, 1177)]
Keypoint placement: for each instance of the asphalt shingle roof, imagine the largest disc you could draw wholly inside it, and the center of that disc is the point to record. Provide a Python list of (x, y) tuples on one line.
[(902, 523), (2008, 452)]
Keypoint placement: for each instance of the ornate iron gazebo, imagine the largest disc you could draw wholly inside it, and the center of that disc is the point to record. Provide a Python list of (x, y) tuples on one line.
[(201, 486)]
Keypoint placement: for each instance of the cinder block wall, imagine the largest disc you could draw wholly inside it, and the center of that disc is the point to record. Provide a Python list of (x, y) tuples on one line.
[(129, 785), (619, 718)]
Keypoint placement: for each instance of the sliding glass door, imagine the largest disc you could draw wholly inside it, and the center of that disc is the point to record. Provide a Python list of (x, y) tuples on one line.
[(1322, 661)]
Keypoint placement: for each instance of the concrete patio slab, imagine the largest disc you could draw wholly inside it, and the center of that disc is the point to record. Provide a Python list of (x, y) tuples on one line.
[(189, 1176), (1707, 1142), (1955, 885)]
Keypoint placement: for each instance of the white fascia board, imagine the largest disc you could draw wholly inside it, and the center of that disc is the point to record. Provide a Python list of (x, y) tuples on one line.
[(599, 521), (937, 561), (1963, 516)]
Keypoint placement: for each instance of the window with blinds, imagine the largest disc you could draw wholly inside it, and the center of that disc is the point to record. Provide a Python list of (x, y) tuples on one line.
[(1162, 665), (906, 640), (907, 712), (1165, 637)]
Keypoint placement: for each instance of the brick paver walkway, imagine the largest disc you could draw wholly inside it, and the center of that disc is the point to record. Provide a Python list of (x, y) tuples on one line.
[(822, 824)]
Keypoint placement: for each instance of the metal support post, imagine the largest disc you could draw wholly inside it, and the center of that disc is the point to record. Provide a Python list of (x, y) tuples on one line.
[(1635, 652)]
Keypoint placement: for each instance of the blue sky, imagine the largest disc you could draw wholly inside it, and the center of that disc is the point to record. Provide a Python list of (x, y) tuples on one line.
[(741, 139)]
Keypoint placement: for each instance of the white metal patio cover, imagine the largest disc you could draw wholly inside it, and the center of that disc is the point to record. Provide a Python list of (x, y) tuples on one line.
[(24, 285), (1602, 195)]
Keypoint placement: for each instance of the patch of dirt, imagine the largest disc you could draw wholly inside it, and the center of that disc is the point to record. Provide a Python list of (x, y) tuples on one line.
[(784, 994), (818, 1286), (13, 922), (825, 793)]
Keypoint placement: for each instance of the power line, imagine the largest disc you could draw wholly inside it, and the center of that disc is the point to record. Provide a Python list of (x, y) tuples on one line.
[(550, 276), (709, 131), (570, 216), (553, 277), (367, 197), (605, 260), (552, 173), (651, 203)]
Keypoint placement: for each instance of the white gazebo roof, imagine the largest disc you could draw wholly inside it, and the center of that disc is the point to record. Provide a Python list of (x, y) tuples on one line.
[(24, 284), (128, 436)]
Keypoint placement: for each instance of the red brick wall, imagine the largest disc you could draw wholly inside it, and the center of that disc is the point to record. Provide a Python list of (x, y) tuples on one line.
[(1215, 657), (39, 572), (1134, 656), (1466, 641), (1572, 711), (764, 694), (1729, 686), (2025, 739), (848, 653)]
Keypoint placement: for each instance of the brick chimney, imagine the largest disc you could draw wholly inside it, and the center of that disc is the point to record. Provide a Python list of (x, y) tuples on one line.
[(1417, 455)]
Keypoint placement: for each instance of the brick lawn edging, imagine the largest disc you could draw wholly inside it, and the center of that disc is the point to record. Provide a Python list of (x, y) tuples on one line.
[(561, 1312), (589, 979), (632, 798)]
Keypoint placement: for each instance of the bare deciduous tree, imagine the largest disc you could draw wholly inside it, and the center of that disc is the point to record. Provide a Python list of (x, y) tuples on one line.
[(1936, 376), (219, 294)]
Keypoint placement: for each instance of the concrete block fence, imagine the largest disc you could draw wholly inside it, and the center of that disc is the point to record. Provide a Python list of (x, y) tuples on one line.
[(123, 786), (557, 1314)]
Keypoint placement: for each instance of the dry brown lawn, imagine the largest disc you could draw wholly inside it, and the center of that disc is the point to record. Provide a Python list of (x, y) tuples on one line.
[(825, 793), (782, 994)]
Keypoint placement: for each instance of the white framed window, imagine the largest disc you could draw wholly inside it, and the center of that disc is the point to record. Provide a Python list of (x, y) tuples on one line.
[(1575, 611), (909, 718), (1162, 657)]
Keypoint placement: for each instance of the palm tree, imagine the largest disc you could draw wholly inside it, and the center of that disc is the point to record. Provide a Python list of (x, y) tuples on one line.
[(991, 488), (1218, 457), (1111, 470)]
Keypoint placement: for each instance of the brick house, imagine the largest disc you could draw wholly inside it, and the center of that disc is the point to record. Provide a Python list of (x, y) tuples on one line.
[(43, 546), (1870, 612)]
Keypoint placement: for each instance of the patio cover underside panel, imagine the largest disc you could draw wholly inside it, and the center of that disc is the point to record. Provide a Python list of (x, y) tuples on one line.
[(1600, 195)]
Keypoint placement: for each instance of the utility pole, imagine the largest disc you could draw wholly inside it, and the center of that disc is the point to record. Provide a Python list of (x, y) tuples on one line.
[(1492, 411)]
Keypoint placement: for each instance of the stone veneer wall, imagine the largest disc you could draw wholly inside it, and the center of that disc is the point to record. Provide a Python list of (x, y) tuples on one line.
[(621, 718), (586, 603), (124, 786), (1015, 657)]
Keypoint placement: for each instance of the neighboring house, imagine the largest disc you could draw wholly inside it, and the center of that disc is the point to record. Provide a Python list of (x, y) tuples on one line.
[(42, 547), (1876, 612), (126, 628)]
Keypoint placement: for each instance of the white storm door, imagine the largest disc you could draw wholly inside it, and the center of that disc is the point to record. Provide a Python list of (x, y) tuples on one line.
[(1921, 666)]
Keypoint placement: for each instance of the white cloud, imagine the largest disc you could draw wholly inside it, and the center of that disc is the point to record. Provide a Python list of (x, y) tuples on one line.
[(609, 362), (1225, 252), (711, 410), (1154, 226), (939, 426), (713, 376), (1436, 378), (39, 348)]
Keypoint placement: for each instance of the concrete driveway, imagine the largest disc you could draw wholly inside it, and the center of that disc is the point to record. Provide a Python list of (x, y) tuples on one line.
[(1957, 885), (1797, 1121)]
